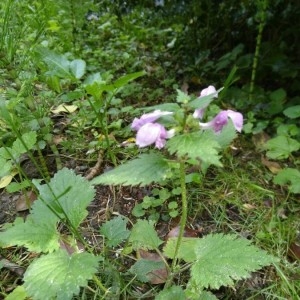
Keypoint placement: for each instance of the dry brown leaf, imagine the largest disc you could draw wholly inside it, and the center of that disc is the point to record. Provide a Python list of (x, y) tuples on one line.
[(157, 276), (273, 166), (25, 201), (260, 139), (188, 232), (294, 251), (67, 243)]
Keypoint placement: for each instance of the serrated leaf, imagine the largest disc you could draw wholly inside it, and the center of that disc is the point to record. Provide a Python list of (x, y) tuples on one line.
[(35, 236), (77, 67), (147, 168), (28, 138), (182, 97), (59, 275), (143, 236), (68, 194), (227, 135), (173, 293), (115, 231), (196, 145), (281, 147), (292, 112), (143, 267), (221, 259), (291, 177)]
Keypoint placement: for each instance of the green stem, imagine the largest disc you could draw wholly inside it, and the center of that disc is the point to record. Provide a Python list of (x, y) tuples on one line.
[(183, 221)]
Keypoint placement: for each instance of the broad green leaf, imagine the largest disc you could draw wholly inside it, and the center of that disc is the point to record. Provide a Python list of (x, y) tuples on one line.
[(58, 64), (143, 236), (68, 194), (19, 293), (28, 138), (145, 169), (35, 236), (292, 112), (174, 292), (143, 267), (127, 78), (202, 102), (227, 135), (291, 177), (281, 147), (115, 231), (77, 67), (186, 250), (59, 275), (221, 259), (197, 145), (163, 107)]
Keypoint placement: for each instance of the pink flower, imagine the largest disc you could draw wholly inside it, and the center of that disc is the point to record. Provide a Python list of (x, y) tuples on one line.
[(149, 132), (221, 119), (198, 113)]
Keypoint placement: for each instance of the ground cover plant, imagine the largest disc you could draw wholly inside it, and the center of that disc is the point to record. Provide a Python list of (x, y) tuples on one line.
[(125, 174)]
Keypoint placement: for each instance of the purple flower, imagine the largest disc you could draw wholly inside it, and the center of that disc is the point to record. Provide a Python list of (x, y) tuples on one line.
[(148, 118), (149, 132), (221, 119), (198, 113)]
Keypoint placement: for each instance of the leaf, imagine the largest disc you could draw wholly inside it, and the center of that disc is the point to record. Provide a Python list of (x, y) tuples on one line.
[(197, 145), (58, 64), (292, 112), (115, 231), (289, 176), (127, 78), (281, 147), (145, 169), (227, 135), (202, 102), (28, 138), (144, 270), (6, 180), (174, 292), (77, 67), (19, 293), (35, 236), (64, 108), (224, 258), (59, 275), (67, 194), (143, 236), (182, 97)]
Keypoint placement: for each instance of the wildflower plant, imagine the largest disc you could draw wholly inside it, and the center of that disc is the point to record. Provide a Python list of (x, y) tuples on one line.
[(174, 129)]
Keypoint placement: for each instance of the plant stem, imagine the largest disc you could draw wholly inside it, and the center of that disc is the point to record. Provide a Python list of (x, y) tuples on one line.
[(182, 224)]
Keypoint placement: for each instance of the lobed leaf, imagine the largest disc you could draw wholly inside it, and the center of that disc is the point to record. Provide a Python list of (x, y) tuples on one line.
[(291, 177), (59, 275), (147, 168)]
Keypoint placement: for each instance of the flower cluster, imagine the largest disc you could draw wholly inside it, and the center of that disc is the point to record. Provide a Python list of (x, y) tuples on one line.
[(151, 132)]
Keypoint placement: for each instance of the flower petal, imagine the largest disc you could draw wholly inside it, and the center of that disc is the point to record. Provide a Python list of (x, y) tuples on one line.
[(209, 90), (151, 133), (148, 118), (237, 119)]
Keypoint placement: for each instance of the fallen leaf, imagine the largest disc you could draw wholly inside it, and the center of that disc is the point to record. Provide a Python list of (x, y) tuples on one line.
[(273, 166), (6, 180), (260, 139), (25, 201), (64, 108), (188, 232), (70, 245), (294, 251), (157, 276)]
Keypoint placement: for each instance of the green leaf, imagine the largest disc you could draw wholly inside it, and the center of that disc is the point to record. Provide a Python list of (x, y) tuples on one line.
[(292, 112), (163, 107), (291, 177), (34, 235), (202, 102), (28, 138), (227, 135), (197, 145), (145, 169), (182, 97), (186, 250), (143, 236), (59, 275), (58, 64), (127, 78), (281, 147), (224, 258), (68, 194), (174, 292), (77, 67), (19, 293), (115, 231), (143, 267)]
